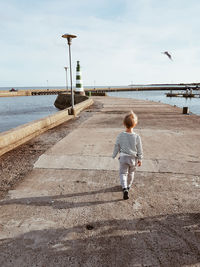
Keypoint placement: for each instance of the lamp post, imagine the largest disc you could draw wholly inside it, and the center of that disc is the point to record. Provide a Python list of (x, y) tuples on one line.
[(66, 77), (69, 38)]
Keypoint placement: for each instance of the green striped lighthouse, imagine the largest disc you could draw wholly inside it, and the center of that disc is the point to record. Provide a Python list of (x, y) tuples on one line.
[(79, 85)]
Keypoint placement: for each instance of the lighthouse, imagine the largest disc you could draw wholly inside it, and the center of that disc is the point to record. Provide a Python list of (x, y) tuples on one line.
[(79, 85)]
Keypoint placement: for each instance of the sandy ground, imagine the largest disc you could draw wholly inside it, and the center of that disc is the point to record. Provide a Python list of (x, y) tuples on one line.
[(68, 209)]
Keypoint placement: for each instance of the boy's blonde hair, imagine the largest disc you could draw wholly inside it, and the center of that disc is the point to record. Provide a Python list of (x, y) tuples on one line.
[(130, 120)]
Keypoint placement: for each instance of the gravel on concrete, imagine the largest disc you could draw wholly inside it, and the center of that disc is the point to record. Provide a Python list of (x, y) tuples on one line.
[(15, 164)]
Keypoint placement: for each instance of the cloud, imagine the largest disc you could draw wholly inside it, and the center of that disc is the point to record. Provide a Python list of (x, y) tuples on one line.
[(117, 41)]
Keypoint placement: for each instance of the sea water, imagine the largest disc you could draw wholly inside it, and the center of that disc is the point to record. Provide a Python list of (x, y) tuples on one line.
[(160, 96), (15, 111)]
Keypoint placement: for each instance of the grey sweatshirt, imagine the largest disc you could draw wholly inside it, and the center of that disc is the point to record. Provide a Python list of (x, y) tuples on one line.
[(130, 144)]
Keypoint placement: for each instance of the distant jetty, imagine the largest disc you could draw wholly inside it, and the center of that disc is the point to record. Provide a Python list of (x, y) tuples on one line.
[(183, 95), (98, 90)]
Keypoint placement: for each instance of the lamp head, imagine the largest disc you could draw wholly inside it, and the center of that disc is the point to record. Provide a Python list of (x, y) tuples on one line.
[(69, 37)]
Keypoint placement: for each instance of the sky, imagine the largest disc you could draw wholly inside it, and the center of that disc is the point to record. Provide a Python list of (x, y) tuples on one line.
[(119, 42)]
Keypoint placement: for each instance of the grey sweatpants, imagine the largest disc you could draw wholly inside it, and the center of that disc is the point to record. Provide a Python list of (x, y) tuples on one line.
[(126, 170)]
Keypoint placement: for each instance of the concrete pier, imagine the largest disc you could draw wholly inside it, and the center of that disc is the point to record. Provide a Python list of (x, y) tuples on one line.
[(69, 210)]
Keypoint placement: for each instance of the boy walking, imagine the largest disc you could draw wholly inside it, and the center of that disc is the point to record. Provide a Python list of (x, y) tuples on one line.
[(129, 147)]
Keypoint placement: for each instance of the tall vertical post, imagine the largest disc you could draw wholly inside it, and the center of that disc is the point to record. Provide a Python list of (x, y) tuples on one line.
[(69, 39), (70, 67), (66, 78)]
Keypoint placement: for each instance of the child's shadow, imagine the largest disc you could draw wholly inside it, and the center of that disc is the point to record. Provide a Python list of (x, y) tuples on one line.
[(56, 202)]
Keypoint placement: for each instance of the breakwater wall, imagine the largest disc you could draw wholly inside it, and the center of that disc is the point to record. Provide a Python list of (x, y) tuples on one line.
[(94, 91), (32, 92), (21, 134)]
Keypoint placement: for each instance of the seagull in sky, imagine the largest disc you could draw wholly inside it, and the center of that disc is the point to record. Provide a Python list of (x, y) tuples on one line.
[(167, 54)]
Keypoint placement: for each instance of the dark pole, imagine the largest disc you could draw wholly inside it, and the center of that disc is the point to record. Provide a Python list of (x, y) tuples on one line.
[(69, 39), (70, 66), (66, 78)]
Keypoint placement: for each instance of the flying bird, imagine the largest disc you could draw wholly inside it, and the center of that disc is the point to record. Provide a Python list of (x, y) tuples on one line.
[(167, 54)]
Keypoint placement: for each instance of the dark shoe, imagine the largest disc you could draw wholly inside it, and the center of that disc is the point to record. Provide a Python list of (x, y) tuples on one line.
[(126, 194)]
